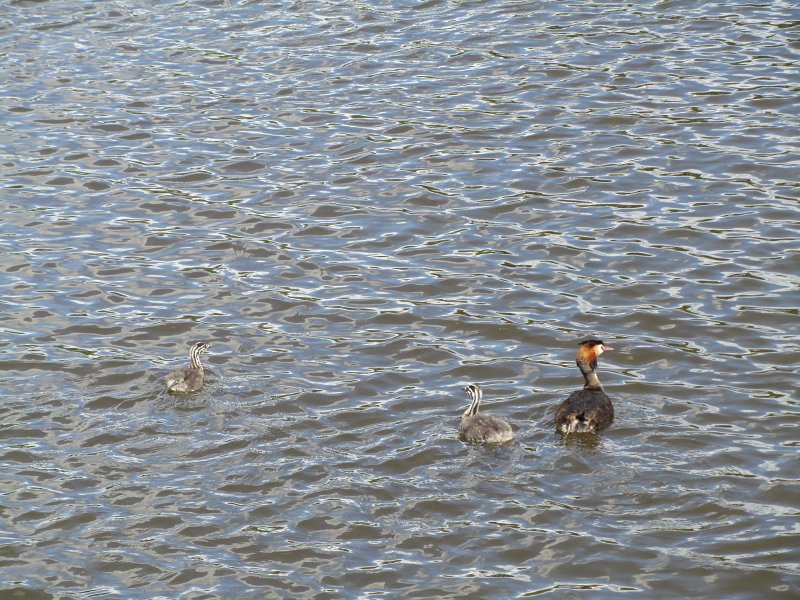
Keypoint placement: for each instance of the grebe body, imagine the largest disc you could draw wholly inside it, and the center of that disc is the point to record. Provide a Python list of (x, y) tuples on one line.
[(482, 427), (588, 410), (184, 381)]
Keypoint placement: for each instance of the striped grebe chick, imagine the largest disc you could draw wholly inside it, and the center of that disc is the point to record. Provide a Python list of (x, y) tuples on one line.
[(183, 381), (482, 427), (588, 410)]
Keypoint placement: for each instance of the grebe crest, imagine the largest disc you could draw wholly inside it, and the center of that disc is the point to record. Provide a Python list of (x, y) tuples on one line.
[(482, 427), (184, 381)]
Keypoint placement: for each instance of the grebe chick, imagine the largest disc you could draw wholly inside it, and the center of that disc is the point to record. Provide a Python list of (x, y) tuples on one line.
[(588, 410), (481, 427), (183, 381)]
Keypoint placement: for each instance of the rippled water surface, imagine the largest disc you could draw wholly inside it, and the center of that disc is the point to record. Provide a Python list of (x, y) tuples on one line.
[(364, 206)]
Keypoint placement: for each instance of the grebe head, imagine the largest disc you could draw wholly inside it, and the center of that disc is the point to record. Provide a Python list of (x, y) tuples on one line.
[(588, 352), (474, 393), (592, 348)]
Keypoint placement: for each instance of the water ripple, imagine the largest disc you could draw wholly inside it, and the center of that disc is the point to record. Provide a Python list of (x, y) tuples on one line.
[(365, 207)]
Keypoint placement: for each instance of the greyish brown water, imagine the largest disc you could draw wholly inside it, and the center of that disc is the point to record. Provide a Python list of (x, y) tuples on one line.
[(364, 206)]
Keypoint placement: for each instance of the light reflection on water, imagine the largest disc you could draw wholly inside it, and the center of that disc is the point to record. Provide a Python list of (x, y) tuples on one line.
[(365, 207)]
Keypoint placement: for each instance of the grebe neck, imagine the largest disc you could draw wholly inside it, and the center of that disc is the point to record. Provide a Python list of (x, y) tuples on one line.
[(475, 393), (589, 375), (194, 356)]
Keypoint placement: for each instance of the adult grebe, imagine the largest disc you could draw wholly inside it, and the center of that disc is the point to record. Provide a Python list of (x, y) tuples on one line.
[(588, 410), (183, 381), (481, 427)]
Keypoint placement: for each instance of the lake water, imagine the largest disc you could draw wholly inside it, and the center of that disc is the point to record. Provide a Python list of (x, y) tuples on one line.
[(365, 206)]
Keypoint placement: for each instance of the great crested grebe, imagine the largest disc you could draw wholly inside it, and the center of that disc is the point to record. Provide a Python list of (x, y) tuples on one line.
[(480, 427), (183, 381), (588, 410)]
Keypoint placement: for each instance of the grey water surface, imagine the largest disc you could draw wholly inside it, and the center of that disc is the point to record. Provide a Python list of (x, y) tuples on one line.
[(365, 206)]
